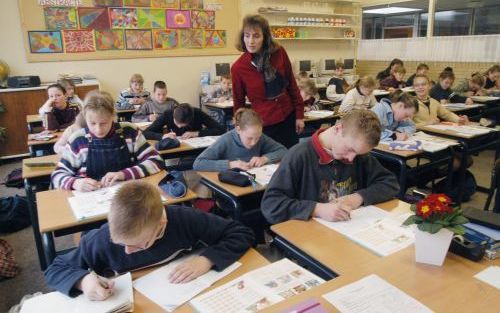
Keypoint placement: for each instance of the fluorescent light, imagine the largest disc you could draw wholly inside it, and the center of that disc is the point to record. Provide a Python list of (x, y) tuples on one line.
[(391, 10)]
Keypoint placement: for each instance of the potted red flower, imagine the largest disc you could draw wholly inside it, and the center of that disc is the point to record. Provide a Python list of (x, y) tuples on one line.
[(437, 221)]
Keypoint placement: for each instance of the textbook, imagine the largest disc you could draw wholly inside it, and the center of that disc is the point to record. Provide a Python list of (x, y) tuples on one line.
[(258, 289), (421, 141), (375, 229), (158, 289), (122, 300), (200, 142), (464, 130), (264, 173)]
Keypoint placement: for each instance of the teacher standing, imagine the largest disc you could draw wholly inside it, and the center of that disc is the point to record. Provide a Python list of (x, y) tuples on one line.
[(263, 73)]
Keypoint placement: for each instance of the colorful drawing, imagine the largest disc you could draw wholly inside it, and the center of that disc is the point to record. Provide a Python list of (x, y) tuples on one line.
[(191, 4), (136, 3), (60, 3), (45, 41), (108, 3), (109, 39), (123, 17), (168, 4), (165, 39), (78, 41), (138, 39), (151, 18), (178, 19), (60, 18), (203, 19), (93, 18), (192, 38), (215, 38)]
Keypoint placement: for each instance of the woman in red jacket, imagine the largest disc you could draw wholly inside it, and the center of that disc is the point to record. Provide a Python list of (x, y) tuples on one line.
[(263, 73)]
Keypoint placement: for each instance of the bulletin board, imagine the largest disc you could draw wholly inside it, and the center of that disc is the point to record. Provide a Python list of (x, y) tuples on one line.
[(68, 30)]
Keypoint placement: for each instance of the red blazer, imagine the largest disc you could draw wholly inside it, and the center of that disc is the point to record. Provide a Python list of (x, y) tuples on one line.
[(247, 81)]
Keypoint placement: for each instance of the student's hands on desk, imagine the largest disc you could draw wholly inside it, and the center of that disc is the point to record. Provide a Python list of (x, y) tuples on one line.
[(170, 135), (401, 136), (240, 164), (258, 161), (86, 184), (96, 288), (189, 270), (338, 209), (112, 177), (188, 135)]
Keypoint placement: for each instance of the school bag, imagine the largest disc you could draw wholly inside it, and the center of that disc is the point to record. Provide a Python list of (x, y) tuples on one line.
[(470, 186), (14, 179), (14, 214)]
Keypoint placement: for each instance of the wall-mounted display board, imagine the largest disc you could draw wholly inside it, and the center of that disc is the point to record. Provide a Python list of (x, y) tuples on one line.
[(64, 30)]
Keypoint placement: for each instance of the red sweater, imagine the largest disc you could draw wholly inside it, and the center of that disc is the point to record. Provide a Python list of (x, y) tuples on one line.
[(247, 81)]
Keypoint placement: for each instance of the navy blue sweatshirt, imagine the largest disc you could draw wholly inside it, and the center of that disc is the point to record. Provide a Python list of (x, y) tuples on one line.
[(438, 93), (187, 228)]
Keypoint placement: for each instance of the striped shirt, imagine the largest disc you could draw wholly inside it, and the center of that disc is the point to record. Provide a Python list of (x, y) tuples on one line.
[(72, 165), (127, 94)]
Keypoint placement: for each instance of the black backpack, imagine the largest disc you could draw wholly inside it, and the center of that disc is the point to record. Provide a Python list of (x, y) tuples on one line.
[(470, 187), (14, 214), (14, 179)]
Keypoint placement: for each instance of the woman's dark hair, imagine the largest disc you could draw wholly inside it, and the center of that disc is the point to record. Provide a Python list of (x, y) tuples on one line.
[(401, 96), (183, 113), (447, 73), (387, 72), (57, 86)]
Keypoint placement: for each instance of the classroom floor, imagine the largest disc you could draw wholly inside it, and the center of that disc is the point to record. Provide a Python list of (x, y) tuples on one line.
[(30, 279)]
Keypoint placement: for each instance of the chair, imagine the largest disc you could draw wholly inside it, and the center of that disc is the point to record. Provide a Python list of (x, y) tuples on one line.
[(494, 186)]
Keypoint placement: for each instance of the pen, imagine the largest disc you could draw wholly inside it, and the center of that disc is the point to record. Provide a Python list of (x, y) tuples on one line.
[(101, 282)]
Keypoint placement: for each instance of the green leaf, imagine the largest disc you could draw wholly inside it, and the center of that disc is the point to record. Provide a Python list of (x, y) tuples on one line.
[(413, 207), (457, 230), (458, 220), (430, 227), (413, 219)]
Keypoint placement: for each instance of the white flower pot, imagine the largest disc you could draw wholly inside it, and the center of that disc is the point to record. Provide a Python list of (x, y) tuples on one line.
[(432, 248)]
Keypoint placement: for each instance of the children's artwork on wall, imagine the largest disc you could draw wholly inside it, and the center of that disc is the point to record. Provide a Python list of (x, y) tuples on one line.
[(166, 4), (45, 41), (61, 3), (203, 19), (108, 3), (215, 38), (123, 17), (136, 3), (178, 19), (165, 39), (78, 41), (192, 38), (60, 17), (191, 4), (109, 39), (93, 18), (151, 18), (138, 39)]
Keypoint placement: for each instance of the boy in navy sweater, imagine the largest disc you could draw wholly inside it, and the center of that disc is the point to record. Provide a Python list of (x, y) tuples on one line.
[(140, 232)]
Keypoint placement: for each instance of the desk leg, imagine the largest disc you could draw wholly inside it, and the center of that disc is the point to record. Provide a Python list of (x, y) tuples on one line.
[(462, 169), (48, 247), (402, 178), (34, 222), (236, 204)]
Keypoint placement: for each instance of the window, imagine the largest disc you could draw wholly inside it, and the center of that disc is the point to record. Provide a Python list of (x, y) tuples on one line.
[(452, 23), (367, 28), (487, 20)]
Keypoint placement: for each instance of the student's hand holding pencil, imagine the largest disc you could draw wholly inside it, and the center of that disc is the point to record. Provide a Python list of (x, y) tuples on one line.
[(190, 269), (86, 184), (112, 177), (258, 161), (188, 135), (333, 211), (96, 288), (170, 135)]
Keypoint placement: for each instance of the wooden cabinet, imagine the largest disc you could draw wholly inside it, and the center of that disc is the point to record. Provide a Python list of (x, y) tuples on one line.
[(19, 103)]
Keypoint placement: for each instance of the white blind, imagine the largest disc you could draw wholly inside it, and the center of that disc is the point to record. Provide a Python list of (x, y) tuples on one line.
[(484, 48)]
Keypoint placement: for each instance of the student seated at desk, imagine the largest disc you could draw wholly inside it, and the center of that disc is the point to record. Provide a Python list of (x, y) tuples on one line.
[(157, 104), (387, 72), (337, 81), (422, 69), (431, 111), (330, 174), (302, 77), (105, 151), (442, 91), (185, 122), (71, 97), (140, 233), (472, 86), (134, 95), (395, 114), (56, 113), (222, 92), (61, 143), (491, 77), (361, 96), (243, 147), (395, 81), (309, 94)]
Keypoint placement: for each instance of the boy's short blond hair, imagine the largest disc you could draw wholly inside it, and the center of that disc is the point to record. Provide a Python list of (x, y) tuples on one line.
[(98, 101), (226, 77), (66, 83), (309, 87), (136, 208), (136, 78), (363, 123)]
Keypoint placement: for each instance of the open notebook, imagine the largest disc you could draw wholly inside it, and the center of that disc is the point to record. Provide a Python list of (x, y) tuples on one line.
[(122, 300), (200, 142)]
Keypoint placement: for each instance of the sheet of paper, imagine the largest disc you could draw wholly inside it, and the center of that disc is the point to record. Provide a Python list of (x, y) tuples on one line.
[(143, 125), (490, 275), (158, 289), (484, 98), (226, 104), (200, 142), (318, 113), (373, 294), (92, 203), (264, 173), (360, 219), (54, 302)]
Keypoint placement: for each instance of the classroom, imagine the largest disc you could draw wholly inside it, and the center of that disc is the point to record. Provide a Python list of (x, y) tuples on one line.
[(249, 156)]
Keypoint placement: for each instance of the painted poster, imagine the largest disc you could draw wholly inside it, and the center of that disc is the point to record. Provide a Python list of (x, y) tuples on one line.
[(138, 39), (78, 41), (166, 4), (165, 39), (93, 18), (109, 39), (192, 38), (136, 3), (61, 3), (191, 4), (123, 17), (178, 19), (45, 41), (203, 19), (108, 3), (60, 18), (151, 18), (215, 38)]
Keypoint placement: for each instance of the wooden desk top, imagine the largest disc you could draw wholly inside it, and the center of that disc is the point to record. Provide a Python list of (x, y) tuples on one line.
[(125, 111), (234, 190), (251, 260), (35, 171), (219, 105), (32, 142), (33, 118), (402, 153), (55, 213), (314, 119), (451, 133)]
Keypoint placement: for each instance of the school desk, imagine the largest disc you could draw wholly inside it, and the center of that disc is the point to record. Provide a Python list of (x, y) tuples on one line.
[(184, 150), (469, 145), (42, 145), (33, 121), (125, 115), (475, 109), (56, 217)]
